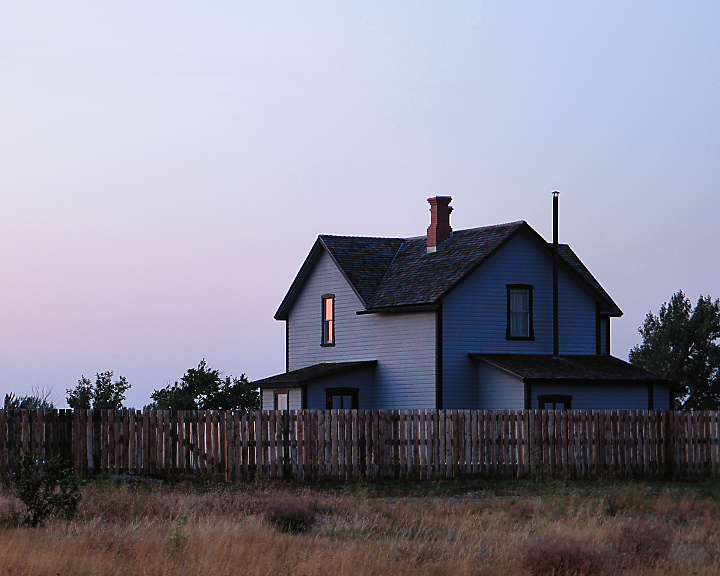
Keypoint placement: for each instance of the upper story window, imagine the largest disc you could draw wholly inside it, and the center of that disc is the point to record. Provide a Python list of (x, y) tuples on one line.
[(520, 312), (328, 320)]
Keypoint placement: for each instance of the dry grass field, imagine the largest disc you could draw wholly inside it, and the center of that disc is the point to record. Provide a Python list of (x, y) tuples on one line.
[(476, 528)]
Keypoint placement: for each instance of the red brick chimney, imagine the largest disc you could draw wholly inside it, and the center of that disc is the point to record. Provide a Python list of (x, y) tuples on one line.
[(439, 229)]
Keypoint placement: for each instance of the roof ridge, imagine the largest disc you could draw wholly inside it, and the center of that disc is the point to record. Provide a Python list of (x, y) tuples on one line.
[(363, 237), (489, 227)]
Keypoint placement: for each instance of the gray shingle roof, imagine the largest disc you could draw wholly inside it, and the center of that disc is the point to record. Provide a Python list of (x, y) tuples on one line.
[(417, 277), (394, 272), (309, 373), (584, 368), (363, 260)]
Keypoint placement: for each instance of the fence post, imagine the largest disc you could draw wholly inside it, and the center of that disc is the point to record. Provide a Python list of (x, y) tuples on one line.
[(287, 441)]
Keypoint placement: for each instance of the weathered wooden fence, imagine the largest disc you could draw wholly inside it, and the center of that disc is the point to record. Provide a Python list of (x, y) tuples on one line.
[(353, 444)]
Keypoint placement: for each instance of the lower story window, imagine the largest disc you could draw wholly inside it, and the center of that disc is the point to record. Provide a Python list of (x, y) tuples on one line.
[(342, 398), (554, 402), (281, 400)]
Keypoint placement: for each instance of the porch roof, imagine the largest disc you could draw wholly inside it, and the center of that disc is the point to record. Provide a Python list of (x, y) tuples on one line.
[(303, 375)]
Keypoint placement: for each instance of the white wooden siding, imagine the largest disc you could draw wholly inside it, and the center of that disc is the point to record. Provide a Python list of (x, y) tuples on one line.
[(267, 399), (475, 316), (618, 396), (403, 344), (498, 390)]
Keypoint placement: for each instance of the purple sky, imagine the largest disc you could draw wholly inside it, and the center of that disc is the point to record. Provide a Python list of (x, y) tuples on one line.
[(166, 166)]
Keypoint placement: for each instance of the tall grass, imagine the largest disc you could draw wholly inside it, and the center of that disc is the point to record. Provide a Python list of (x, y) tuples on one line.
[(472, 529)]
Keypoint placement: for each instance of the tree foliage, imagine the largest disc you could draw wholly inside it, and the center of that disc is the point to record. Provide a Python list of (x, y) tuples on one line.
[(103, 395), (205, 388), (39, 398), (681, 344)]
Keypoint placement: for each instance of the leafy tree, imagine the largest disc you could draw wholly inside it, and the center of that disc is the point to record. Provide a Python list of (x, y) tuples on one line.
[(39, 398), (104, 394), (681, 344), (204, 388)]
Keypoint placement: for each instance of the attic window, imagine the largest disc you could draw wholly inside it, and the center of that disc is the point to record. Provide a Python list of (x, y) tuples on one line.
[(328, 320), (520, 312)]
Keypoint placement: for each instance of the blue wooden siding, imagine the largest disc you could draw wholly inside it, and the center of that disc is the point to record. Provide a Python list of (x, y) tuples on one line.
[(498, 390), (294, 398), (611, 396), (475, 316), (403, 344), (661, 397), (604, 323), (361, 379)]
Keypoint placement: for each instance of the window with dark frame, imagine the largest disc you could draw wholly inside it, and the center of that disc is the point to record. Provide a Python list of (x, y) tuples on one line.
[(554, 402), (520, 312), (282, 398), (342, 398), (328, 320)]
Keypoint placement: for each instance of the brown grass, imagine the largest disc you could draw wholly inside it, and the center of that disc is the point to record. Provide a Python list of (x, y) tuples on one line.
[(471, 529)]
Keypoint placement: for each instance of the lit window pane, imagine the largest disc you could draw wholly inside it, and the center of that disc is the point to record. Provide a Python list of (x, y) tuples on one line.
[(328, 308), (328, 322)]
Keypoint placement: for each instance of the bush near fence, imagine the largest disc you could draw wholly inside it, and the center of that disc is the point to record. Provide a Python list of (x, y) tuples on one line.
[(361, 444)]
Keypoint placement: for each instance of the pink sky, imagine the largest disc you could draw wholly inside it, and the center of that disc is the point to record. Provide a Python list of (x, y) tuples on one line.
[(167, 166)]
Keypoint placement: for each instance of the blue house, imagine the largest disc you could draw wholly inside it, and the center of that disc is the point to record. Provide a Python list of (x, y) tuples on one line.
[(466, 319)]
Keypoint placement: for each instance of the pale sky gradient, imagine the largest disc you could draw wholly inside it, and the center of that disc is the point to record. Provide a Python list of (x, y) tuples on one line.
[(166, 166)]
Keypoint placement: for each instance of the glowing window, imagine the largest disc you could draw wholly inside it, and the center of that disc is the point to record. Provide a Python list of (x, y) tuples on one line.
[(328, 320)]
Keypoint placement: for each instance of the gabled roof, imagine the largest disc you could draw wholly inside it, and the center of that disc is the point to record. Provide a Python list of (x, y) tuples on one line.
[(570, 368), (314, 372), (392, 273)]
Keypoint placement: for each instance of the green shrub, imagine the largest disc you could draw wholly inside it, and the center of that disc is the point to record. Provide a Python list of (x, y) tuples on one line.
[(178, 536), (55, 494)]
